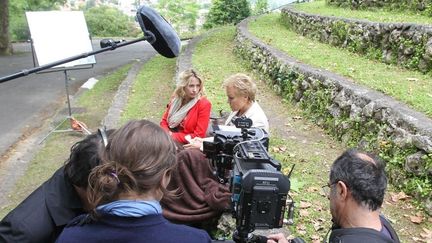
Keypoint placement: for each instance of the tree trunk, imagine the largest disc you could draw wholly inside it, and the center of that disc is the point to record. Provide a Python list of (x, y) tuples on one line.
[(5, 45)]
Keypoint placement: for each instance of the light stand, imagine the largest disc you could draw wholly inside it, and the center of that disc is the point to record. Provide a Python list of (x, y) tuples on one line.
[(157, 31), (76, 126), (107, 45)]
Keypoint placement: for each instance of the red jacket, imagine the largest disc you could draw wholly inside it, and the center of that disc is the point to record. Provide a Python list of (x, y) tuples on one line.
[(194, 124)]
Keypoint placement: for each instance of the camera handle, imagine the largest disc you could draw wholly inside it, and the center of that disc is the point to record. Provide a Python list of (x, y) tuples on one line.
[(245, 132), (240, 237)]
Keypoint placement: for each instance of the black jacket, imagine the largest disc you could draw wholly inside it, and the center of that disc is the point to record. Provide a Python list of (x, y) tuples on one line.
[(42, 216), (361, 235)]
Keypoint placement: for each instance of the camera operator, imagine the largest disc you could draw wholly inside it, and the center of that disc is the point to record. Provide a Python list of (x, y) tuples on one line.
[(203, 197), (42, 216), (356, 191)]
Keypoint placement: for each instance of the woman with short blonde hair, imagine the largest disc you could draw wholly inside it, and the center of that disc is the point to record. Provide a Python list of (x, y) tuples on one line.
[(241, 90), (243, 84), (188, 114)]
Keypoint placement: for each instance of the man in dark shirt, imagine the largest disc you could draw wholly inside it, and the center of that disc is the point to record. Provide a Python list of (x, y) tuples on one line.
[(42, 216), (356, 192)]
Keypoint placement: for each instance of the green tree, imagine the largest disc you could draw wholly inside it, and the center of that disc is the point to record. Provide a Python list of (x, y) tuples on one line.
[(110, 22), (17, 22), (181, 14), (225, 12), (5, 47), (260, 7)]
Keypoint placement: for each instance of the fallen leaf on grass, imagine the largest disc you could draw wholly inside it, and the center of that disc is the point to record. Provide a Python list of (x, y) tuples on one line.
[(304, 204), (395, 197), (275, 149), (319, 209), (427, 234), (322, 193), (312, 189), (301, 232), (303, 213), (317, 226), (416, 219), (416, 239), (301, 227)]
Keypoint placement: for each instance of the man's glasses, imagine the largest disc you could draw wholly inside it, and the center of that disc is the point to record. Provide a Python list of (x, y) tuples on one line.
[(326, 189)]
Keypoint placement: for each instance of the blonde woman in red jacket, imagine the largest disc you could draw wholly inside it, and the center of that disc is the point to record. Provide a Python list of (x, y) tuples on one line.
[(188, 113)]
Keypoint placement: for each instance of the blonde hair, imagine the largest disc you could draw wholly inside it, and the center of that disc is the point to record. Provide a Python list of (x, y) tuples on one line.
[(243, 84), (185, 79)]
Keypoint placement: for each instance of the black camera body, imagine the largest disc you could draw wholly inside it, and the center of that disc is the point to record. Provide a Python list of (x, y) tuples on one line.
[(259, 189)]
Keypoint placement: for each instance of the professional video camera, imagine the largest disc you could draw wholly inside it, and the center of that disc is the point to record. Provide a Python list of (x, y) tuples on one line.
[(259, 190)]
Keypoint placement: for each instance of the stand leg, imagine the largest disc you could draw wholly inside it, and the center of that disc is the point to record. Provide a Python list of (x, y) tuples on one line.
[(82, 127), (67, 92)]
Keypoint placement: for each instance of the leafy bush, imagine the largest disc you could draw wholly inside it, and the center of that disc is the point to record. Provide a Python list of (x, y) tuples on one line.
[(106, 21), (19, 29), (181, 14), (260, 7), (225, 12)]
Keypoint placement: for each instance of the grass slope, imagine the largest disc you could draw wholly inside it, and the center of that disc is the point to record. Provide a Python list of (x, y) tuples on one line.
[(151, 91), (378, 15), (410, 87)]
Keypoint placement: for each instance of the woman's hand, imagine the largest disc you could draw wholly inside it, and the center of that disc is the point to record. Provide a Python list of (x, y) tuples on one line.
[(194, 143), (277, 238)]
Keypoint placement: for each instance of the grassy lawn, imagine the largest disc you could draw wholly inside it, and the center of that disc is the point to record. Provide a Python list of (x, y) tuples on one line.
[(410, 87), (151, 91), (56, 148), (379, 15), (215, 62)]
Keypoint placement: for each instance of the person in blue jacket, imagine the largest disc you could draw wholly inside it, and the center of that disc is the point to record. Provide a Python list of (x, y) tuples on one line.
[(125, 190)]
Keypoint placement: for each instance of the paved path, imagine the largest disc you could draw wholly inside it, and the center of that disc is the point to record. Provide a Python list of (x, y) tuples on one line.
[(27, 102)]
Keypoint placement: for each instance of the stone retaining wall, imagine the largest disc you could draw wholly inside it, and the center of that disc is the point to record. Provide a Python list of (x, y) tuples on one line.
[(407, 45), (413, 5), (354, 114)]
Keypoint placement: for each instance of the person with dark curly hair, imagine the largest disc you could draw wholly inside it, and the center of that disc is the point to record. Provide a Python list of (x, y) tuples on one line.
[(45, 212)]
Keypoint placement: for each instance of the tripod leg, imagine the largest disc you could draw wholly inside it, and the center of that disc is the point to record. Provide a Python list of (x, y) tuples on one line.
[(67, 92)]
